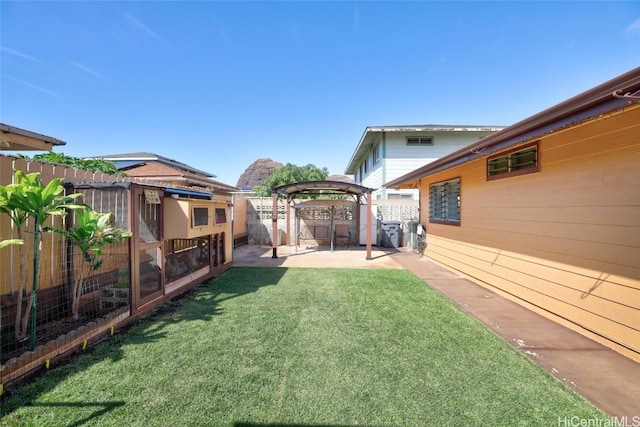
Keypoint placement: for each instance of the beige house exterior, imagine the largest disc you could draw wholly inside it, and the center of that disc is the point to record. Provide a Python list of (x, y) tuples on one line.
[(547, 212)]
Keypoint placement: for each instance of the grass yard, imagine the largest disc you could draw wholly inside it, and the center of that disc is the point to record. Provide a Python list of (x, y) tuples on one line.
[(282, 347)]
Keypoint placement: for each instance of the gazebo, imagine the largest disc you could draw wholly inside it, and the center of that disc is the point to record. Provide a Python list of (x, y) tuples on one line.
[(319, 189)]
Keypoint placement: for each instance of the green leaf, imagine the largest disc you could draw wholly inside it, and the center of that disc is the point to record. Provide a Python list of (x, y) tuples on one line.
[(4, 243)]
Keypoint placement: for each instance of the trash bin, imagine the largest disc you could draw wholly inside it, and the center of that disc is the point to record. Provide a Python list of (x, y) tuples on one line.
[(390, 234)]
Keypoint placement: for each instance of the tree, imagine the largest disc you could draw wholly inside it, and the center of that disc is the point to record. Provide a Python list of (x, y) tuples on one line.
[(93, 165), (91, 232), (28, 198), (289, 174)]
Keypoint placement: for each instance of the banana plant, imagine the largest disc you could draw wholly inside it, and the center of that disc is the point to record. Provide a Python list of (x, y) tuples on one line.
[(29, 198), (90, 233), (5, 243)]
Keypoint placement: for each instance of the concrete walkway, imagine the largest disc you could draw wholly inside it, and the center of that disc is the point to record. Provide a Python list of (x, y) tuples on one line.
[(604, 377)]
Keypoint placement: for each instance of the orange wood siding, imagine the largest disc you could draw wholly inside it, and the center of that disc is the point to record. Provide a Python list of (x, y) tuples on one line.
[(240, 215), (564, 241), (178, 221)]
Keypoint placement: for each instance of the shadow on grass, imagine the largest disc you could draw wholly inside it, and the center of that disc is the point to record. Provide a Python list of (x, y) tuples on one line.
[(197, 304), (105, 407), (203, 302), (243, 424)]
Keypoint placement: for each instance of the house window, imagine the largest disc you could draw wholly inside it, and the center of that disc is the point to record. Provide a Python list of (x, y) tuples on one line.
[(221, 215), (376, 155), (366, 165), (399, 196), (419, 140), (515, 162), (444, 202)]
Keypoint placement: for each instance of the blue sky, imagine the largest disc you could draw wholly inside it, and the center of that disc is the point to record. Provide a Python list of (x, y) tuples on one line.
[(218, 85)]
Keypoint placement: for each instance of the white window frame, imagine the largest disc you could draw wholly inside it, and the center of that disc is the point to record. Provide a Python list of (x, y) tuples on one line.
[(420, 140), (376, 154)]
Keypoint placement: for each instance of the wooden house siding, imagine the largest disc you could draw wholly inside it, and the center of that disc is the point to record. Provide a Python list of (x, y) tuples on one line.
[(402, 158), (564, 241), (373, 179)]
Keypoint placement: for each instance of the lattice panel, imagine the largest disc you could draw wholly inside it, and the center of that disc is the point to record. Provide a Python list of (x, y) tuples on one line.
[(398, 213)]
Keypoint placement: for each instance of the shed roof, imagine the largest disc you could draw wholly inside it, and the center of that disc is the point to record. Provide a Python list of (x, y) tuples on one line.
[(174, 189), (144, 156), (612, 94), (17, 139), (155, 170)]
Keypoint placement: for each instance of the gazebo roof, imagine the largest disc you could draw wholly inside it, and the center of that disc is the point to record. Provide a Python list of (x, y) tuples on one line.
[(321, 187)]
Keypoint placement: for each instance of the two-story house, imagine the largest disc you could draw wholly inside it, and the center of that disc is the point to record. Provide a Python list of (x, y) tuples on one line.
[(385, 153)]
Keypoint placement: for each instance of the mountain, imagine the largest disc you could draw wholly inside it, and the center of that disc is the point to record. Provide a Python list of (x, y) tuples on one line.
[(340, 178), (256, 172)]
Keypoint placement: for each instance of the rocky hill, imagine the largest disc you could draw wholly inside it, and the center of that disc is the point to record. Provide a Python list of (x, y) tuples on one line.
[(256, 172), (340, 178)]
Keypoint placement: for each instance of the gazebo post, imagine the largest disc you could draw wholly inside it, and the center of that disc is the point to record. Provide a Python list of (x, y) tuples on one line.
[(274, 225), (331, 225), (288, 221), (368, 225)]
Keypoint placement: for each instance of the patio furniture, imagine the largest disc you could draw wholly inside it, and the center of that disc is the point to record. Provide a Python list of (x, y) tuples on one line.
[(342, 235)]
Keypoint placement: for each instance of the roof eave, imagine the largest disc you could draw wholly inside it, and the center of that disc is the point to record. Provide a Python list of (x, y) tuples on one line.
[(602, 97), (23, 139), (191, 180), (367, 137), (357, 154)]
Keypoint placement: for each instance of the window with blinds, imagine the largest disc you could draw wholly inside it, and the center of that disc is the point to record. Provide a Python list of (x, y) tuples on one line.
[(419, 140), (516, 162), (444, 202)]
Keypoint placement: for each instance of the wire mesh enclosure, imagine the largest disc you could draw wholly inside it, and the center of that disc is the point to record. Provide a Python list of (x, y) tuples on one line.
[(103, 289)]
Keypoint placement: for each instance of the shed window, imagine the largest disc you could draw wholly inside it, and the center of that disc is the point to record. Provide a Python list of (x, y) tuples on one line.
[(444, 202), (419, 140), (221, 215), (200, 217), (516, 162)]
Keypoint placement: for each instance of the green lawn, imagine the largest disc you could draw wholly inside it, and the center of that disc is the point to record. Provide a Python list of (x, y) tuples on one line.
[(261, 346)]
